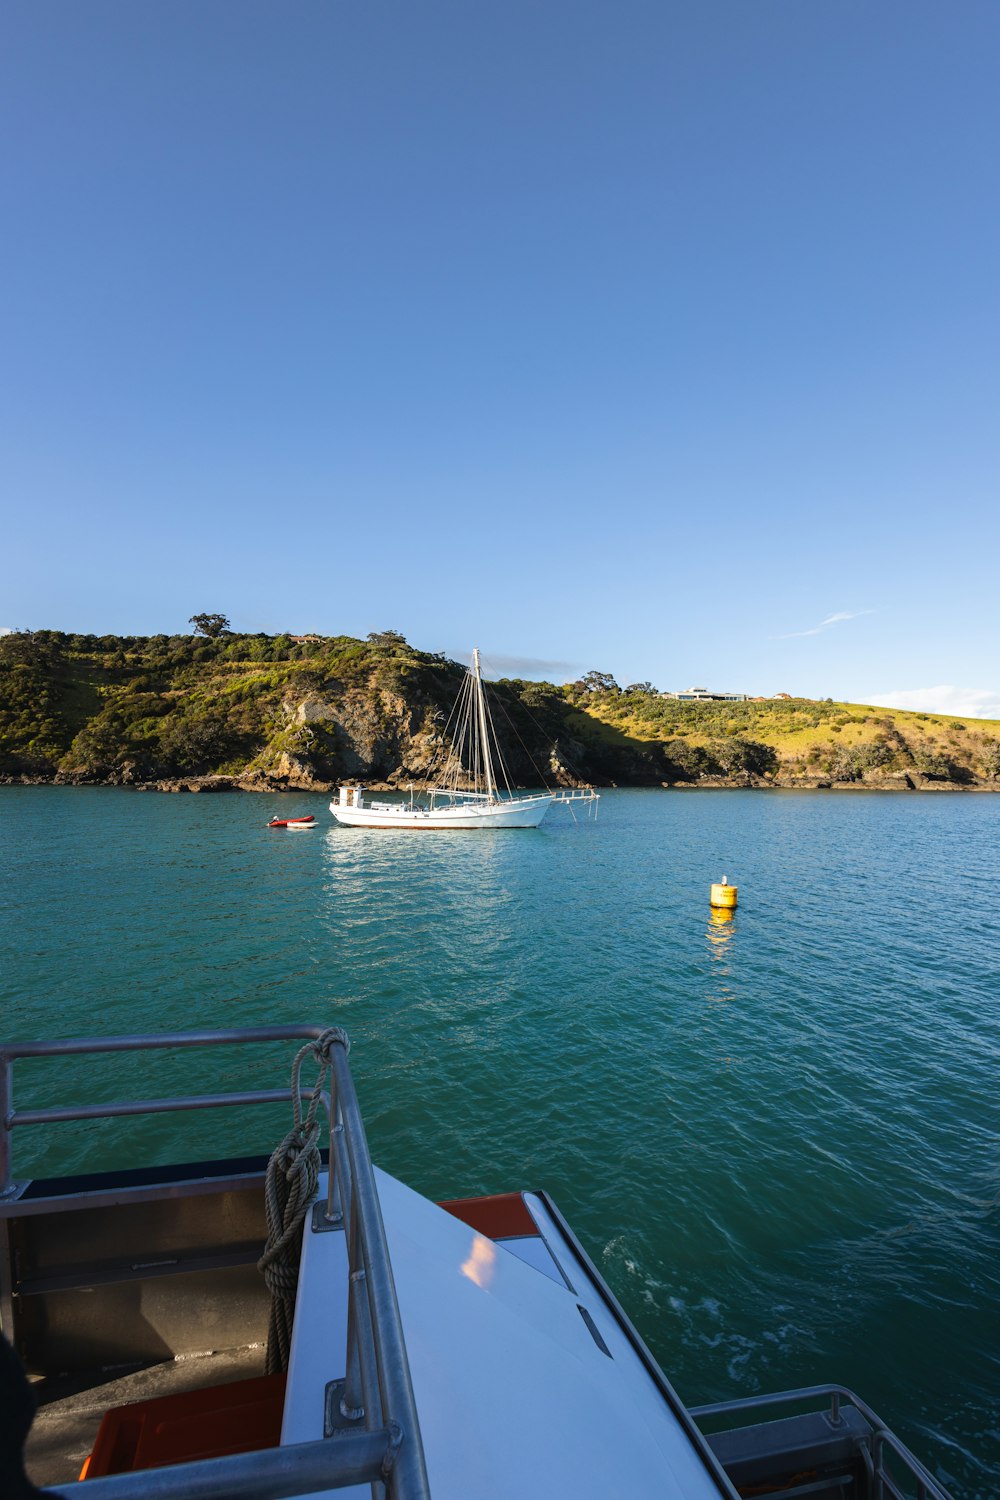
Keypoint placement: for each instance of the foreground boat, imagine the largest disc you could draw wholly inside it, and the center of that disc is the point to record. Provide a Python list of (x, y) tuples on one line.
[(475, 791), (467, 1348), (309, 822)]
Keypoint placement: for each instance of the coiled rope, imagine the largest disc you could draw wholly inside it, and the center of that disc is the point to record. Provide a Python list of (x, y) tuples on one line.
[(290, 1189)]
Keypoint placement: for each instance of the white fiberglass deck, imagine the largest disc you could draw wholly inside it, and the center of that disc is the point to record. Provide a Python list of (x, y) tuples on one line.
[(515, 1395)]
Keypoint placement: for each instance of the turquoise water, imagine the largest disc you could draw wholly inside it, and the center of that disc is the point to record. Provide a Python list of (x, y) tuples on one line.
[(777, 1136)]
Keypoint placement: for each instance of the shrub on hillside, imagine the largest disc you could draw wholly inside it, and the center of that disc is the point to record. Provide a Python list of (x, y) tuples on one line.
[(686, 762), (738, 756), (100, 748), (853, 761), (194, 744), (938, 767), (991, 759)]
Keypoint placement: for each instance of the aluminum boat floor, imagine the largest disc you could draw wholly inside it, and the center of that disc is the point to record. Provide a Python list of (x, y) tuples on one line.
[(70, 1408)]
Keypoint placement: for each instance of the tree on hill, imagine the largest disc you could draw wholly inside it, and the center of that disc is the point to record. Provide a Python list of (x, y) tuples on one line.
[(599, 682), (211, 625), (21, 647), (387, 638)]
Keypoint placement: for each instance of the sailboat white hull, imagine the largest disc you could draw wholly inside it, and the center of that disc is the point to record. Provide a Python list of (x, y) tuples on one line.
[(517, 812)]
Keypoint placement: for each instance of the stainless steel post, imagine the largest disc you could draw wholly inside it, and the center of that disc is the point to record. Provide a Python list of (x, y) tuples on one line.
[(409, 1474), (352, 1404)]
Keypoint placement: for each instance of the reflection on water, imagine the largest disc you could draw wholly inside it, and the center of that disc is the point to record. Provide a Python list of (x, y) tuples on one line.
[(720, 933), (357, 855), (409, 883), (432, 922)]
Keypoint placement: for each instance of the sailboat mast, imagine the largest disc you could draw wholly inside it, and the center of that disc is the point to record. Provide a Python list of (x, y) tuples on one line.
[(483, 736)]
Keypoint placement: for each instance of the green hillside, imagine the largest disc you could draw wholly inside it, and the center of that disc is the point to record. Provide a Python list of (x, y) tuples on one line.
[(263, 711), (143, 708)]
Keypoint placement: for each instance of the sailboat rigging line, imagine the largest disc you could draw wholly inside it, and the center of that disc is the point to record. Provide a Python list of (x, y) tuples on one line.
[(570, 766), (540, 774), (443, 749), (453, 769), (496, 743)]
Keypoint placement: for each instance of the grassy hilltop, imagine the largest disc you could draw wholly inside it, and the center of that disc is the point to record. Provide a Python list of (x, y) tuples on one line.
[(847, 743), (260, 711)]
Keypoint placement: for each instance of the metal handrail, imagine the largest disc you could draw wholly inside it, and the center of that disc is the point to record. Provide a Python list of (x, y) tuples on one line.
[(882, 1436), (392, 1368), (77, 1046), (385, 1444)]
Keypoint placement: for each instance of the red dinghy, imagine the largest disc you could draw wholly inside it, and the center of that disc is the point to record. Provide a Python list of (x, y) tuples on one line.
[(292, 822)]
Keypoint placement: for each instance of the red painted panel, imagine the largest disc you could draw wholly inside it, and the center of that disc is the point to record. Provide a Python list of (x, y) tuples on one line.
[(241, 1417), (498, 1216)]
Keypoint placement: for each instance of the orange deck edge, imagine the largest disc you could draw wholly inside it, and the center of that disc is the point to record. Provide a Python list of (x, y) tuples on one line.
[(499, 1215)]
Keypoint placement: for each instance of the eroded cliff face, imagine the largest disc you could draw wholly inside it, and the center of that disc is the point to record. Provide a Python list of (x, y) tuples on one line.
[(383, 738), (386, 739), (368, 735)]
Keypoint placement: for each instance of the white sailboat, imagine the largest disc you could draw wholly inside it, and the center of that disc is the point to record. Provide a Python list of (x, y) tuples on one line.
[(490, 801)]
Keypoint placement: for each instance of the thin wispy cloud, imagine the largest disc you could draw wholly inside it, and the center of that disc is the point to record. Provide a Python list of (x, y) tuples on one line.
[(522, 666), (964, 703), (835, 619)]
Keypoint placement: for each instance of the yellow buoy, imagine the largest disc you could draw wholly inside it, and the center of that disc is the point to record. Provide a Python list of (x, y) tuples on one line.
[(724, 895)]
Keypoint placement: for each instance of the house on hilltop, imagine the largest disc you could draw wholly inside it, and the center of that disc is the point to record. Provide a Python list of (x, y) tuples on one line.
[(705, 695)]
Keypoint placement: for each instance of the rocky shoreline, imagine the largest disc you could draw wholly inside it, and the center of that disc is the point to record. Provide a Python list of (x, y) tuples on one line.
[(260, 782)]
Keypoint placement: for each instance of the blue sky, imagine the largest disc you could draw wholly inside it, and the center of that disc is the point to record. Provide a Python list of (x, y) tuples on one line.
[(654, 337)]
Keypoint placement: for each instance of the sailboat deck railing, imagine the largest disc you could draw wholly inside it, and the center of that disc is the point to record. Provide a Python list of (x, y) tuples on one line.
[(559, 794), (383, 1443)]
